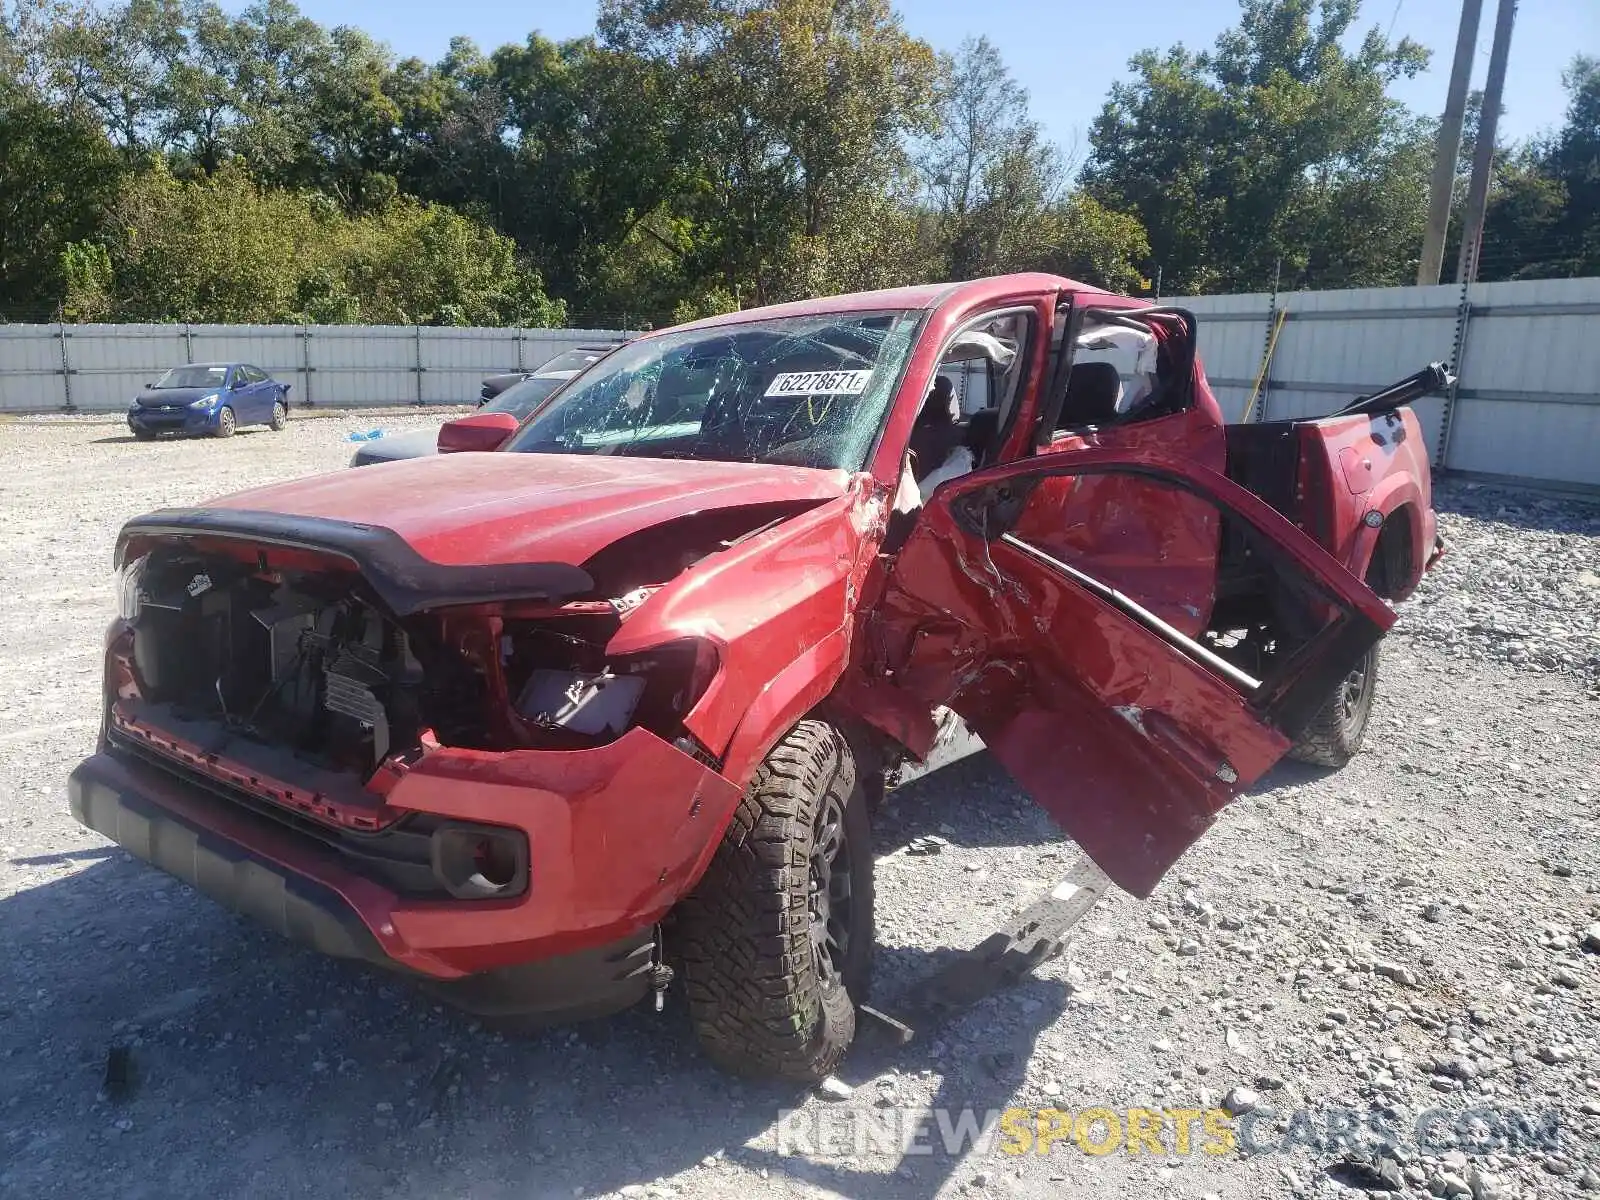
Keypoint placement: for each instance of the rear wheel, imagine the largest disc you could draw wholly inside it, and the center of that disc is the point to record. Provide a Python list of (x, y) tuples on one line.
[(1334, 736), (280, 416), (776, 941), (226, 423)]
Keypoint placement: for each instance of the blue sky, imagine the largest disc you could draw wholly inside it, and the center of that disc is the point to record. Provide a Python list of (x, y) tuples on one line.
[(1067, 55)]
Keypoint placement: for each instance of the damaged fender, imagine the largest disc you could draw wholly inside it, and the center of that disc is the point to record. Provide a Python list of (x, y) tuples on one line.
[(779, 608)]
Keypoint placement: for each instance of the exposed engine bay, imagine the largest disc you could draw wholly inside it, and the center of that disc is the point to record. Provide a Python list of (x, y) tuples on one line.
[(311, 662)]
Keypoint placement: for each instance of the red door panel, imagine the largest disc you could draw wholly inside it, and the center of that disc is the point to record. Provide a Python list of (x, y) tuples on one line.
[(1130, 732), (1182, 546), (1165, 552)]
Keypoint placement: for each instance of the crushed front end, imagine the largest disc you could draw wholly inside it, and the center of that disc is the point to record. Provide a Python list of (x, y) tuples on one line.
[(433, 769)]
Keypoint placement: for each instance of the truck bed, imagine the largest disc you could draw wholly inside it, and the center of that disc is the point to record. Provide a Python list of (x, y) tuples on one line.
[(1349, 481)]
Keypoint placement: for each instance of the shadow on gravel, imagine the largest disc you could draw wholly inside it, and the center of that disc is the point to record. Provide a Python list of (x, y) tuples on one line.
[(119, 438), (255, 1067), (1289, 773), (65, 856), (970, 802), (982, 1060)]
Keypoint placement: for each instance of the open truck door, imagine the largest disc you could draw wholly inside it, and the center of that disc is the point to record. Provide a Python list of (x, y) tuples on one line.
[(1046, 638)]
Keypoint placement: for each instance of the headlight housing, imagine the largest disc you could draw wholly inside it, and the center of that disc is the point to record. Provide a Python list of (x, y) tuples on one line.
[(655, 688), (204, 402), (129, 581), (676, 675)]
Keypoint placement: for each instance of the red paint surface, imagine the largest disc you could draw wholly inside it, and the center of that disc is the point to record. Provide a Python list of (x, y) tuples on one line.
[(802, 612), (1370, 464), (1167, 552), (479, 431), (470, 509), (615, 835), (767, 604), (1040, 668)]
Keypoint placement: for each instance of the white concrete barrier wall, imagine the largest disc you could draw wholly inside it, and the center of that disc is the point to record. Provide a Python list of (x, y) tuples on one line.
[(1527, 401), (99, 368)]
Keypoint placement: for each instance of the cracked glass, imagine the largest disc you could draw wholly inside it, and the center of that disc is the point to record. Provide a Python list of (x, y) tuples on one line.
[(809, 391)]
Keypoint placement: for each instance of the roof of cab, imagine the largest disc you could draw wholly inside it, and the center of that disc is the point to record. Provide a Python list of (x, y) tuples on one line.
[(922, 295)]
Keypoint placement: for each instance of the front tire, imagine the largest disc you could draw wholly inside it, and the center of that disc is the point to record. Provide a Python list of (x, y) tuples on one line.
[(776, 941), (1335, 734), (226, 423), (280, 416)]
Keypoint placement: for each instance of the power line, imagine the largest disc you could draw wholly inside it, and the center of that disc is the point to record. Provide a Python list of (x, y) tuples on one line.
[(1398, 5)]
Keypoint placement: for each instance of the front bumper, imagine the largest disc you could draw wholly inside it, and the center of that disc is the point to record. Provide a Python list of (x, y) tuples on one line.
[(172, 420), (123, 802), (616, 835)]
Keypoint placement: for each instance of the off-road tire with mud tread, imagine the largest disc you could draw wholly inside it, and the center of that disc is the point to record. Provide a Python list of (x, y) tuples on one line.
[(1334, 736), (757, 1001)]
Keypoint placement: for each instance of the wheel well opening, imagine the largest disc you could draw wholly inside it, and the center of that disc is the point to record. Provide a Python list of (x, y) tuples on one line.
[(1390, 565)]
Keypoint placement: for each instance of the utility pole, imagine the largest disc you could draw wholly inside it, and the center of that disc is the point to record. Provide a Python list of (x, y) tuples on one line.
[(1449, 146), (1483, 153)]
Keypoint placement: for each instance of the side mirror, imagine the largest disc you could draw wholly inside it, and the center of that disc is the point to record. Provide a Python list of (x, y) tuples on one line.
[(480, 431)]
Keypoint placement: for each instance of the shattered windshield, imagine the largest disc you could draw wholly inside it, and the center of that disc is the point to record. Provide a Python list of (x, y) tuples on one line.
[(802, 391)]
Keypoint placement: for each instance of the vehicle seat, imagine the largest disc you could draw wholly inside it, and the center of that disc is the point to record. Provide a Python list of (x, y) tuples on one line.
[(982, 430), (1093, 391)]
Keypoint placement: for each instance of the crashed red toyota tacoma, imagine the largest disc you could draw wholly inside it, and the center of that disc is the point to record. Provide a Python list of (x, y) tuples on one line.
[(543, 726)]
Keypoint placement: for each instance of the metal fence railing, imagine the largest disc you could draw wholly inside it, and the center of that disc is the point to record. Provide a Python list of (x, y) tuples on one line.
[(1526, 354), (98, 368), (1526, 403)]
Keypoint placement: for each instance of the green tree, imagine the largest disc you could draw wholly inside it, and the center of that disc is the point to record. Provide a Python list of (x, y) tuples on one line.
[(116, 64), (1275, 151), (1082, 239), (1543, 218), (1574, 159), (791, 110), (89, 279), (221, 248), (58, 174), (989, 174)]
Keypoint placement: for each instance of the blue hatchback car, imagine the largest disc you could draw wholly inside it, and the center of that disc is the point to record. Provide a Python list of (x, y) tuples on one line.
[(210, 398)]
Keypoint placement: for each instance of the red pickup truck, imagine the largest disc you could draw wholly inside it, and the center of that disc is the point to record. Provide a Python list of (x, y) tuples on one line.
[(542, 727)]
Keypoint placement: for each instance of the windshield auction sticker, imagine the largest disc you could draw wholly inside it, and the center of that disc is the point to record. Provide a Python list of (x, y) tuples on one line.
[(819, 383)]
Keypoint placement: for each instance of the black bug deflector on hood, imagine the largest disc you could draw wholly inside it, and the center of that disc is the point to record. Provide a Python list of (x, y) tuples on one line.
[(404, 580)]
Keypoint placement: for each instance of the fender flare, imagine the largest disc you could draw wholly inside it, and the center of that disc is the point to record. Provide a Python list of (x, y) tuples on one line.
[(793, 692), (1395, 495)]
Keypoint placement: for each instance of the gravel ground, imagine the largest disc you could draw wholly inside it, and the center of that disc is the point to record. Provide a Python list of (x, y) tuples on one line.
[(1406, 935)]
